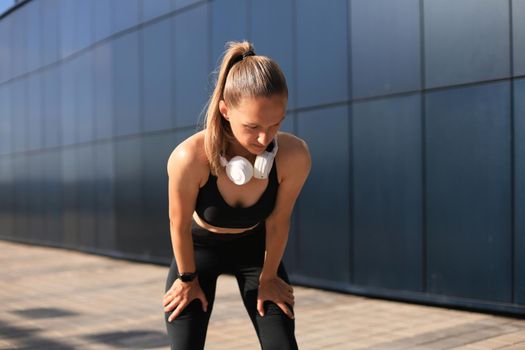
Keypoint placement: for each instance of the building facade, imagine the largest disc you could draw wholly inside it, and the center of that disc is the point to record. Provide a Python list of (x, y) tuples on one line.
[(414, 112)]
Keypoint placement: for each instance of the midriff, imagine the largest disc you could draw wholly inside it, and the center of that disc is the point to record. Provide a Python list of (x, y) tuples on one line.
[(220, 230)]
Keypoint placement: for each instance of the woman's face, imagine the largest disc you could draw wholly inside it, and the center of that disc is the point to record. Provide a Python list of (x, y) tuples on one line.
[(255, 121)]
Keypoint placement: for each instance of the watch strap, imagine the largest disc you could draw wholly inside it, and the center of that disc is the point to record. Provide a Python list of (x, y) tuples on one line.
[(187, 276)]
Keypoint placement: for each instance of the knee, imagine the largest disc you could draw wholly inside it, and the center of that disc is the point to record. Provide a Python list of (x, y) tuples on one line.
[(276, 330)]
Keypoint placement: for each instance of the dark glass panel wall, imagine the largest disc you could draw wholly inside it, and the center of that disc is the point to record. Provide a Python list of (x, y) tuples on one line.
[(322, 52), (385, 40), (276, 40), (518, 35), (413, 111), (324, 206), (157, 83), (468, 168), (519, 183), (229, 21), (192, 67), (387, 193), (463, 51)]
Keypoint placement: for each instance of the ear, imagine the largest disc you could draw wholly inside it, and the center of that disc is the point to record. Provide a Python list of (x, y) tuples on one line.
[(223, 109)]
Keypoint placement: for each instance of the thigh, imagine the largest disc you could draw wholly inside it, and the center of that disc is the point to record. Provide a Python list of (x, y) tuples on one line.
[(275, 330), (188, 330)]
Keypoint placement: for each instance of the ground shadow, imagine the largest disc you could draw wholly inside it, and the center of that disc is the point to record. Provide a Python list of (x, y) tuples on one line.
[(43, 312), (136, 339), (27, 338)]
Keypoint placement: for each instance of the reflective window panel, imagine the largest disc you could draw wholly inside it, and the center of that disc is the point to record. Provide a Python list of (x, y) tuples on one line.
[(103, 99), (19, 114), (157, 76), (18, 42), (465, 41), (67, 28), (33, 14), (50, 13), (5, 119), (272, 34), (324, 201), (126, 84), (128, 202), (179, 4), (101, 19), (104, 188), (84, 97), (519, 183), (229, 22), (155, 8), (34, 104), (7, 179), (21, 188), (125, 14), (51, 113), (385, 47), (191, 53), (86, 195), (52, 190), (83, 24), (469, 192), (518, 35), (70, 187), (68, 103), (6, 51), (387, 189), (322, 56)]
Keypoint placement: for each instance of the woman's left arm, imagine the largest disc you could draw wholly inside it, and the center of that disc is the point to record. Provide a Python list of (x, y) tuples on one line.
[(294, 167)]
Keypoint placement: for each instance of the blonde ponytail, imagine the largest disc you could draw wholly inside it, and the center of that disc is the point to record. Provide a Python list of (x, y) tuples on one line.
[(239, 77)]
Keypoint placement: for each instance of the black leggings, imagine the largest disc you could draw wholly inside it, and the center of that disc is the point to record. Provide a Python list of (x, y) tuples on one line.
[(242, 255)]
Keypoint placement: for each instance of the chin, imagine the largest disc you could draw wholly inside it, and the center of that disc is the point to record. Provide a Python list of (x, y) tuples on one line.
[(257, 151)]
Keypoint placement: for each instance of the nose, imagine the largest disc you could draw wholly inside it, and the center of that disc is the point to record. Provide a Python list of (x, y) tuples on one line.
[(264, 138)]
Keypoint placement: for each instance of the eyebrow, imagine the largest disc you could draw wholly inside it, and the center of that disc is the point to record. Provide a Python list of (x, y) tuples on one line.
[(254, 124)]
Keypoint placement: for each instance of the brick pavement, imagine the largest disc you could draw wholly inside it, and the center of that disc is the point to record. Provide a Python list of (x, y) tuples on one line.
[(59, 299)]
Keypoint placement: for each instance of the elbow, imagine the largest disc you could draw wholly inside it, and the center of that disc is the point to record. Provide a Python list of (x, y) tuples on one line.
[(276, 224)]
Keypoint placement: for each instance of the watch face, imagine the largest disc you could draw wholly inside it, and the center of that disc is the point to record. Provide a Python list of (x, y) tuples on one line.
[(187, 277)]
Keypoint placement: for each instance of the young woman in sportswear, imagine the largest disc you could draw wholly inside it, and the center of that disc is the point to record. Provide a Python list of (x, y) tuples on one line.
[(232, 188)]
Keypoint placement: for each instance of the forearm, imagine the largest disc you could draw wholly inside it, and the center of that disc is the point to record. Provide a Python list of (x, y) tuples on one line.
[(276, 239), (182, 244)]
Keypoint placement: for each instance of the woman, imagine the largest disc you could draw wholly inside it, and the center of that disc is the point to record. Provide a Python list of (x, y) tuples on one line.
[(232, 188)]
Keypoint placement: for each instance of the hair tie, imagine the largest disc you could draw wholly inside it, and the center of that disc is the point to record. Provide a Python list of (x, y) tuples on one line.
[(248, 53)]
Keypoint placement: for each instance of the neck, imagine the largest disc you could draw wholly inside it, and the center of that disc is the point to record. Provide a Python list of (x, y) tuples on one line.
[(235, 149)]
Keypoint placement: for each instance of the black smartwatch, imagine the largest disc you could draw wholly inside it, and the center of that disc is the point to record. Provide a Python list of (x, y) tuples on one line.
[(187, 276)]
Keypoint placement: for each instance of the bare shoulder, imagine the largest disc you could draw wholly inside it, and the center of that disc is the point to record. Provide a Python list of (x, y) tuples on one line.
[(189, 158), (293, 155)]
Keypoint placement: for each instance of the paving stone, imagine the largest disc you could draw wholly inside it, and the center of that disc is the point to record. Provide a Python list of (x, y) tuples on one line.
[(61, 299)]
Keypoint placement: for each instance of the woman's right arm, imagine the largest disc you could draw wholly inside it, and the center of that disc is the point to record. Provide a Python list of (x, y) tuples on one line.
[(184, 174), (183, 187)]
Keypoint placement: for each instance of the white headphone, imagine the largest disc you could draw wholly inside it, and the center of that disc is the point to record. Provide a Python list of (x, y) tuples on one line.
[(240, 170)]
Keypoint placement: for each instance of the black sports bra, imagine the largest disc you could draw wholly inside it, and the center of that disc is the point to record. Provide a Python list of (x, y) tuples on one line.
[(214, 210)]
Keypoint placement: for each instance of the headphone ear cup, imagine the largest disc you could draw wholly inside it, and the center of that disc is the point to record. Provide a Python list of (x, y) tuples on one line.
[(239, 170), (262, 166)]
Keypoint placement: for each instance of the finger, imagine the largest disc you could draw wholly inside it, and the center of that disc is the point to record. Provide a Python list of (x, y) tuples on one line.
[(169, 294), (171, 305), (260, 307), (177, 312), (167, 299), (204, 302), (286, 310), (289, 300)]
